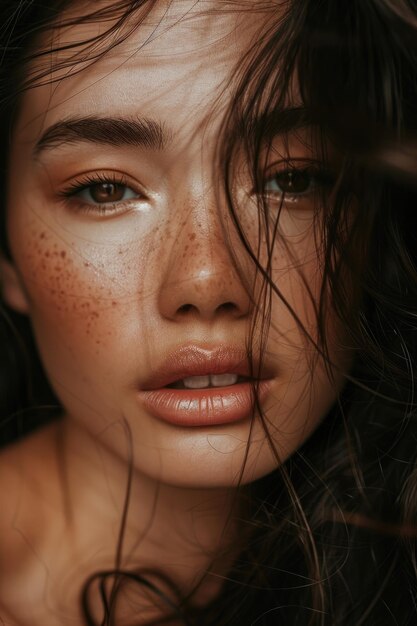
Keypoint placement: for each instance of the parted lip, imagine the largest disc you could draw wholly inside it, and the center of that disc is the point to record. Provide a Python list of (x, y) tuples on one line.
[(194, 360)]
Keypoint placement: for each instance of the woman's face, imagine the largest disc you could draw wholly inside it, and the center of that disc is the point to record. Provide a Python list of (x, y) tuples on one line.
[(121, 242)]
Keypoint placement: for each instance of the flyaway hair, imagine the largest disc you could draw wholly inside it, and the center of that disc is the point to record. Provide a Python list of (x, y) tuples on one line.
[(329, 538)]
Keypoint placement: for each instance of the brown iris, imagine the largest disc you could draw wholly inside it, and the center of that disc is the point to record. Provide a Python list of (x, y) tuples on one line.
[(107, 192), (293, 181)]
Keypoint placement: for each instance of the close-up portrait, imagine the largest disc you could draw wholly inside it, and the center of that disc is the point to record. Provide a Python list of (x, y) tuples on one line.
[(208, 313)]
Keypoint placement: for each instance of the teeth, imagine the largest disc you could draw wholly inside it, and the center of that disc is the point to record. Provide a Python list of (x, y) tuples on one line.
[(215, 380), (196, 382), (223, 380)]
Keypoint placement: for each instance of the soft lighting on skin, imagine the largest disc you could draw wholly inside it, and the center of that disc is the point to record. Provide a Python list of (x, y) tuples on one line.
[(111, 297), (113, 289)]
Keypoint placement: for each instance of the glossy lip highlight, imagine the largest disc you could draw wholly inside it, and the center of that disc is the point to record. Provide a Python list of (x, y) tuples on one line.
[(209, 406)]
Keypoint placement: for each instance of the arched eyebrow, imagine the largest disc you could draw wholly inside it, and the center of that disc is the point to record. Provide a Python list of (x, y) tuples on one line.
[(147, 133), (112, 131)]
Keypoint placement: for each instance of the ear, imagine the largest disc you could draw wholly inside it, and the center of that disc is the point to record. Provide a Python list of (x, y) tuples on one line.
[(12, 289)]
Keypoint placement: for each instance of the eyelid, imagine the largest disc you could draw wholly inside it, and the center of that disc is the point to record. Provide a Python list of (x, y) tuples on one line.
[(83, 181), (298, 163), (321, 181), (77, 184), (316, 168)]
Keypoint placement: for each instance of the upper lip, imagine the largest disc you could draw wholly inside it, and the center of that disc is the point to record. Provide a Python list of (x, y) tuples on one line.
[(195, 360)]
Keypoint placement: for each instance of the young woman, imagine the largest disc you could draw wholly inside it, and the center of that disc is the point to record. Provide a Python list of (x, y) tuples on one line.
[(209, 286)]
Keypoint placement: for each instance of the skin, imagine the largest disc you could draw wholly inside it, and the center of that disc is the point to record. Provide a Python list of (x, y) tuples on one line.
[(104, 295)]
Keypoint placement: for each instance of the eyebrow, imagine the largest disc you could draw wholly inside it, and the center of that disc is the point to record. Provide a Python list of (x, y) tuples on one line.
[(148, 133), (286, 120), (111, 131)]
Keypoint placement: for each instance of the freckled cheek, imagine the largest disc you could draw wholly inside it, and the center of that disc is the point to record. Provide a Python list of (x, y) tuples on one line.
[(78, 292)]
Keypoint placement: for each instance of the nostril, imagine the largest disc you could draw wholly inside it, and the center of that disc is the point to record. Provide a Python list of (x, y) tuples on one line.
[(186, 308), (227, 307), (204, 297)]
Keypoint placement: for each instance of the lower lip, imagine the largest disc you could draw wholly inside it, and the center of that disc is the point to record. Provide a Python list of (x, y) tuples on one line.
[(204, 407)]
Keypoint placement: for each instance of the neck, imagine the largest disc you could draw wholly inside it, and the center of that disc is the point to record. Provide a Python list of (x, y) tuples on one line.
[(120, 518)]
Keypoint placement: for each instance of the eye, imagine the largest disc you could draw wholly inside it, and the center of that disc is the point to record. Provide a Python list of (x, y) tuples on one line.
[(290, 182), (103, 194), (106, 192), (293, 183)]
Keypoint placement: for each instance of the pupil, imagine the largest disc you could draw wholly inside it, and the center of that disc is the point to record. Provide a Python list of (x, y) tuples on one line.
[(294, 182), (107, 192)]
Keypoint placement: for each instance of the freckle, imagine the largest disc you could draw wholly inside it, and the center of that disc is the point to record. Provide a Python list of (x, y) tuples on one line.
[(114, 303), (47, 254), (63, 254), (192, 236), (42, 236), (86, 264)]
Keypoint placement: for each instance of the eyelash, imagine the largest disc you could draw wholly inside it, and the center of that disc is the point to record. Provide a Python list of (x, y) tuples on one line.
[(318, 178), (88, 182)]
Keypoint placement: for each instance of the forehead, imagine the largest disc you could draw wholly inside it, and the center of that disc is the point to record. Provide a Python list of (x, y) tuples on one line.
[(176, 61)]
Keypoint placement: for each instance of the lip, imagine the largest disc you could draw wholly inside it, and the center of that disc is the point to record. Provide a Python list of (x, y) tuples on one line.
[(210, 406)]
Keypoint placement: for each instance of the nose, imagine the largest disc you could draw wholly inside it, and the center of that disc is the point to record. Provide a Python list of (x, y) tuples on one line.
[(201, 279)]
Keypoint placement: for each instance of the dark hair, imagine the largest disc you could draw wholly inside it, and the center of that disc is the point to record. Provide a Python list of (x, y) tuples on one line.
[(329, 536)]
